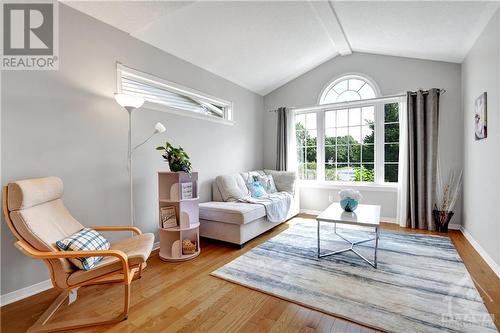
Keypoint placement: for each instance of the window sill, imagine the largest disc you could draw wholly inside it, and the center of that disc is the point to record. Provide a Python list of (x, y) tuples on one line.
[(340, 186)]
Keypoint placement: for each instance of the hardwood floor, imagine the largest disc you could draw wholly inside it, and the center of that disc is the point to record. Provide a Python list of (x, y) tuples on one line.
[(183, 297)]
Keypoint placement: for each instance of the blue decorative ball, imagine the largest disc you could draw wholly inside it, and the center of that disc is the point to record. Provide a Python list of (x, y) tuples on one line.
[(349, 204)]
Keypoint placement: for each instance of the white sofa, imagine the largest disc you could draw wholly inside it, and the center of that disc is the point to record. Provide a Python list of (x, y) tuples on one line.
[(228, 220)]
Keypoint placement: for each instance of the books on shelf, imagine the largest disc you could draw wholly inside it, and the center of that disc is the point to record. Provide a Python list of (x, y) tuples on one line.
[(187, 190), (168, 218)]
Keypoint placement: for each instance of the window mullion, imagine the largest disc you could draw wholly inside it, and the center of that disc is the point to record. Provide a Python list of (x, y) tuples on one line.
[(320, 156), (379, 143)]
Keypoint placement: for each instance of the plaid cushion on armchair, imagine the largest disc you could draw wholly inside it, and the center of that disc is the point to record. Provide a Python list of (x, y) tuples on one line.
[(86, 239)]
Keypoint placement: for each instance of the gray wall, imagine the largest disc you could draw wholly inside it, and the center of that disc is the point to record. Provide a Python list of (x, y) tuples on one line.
[(393, 75), (480, 73), (66, 123)]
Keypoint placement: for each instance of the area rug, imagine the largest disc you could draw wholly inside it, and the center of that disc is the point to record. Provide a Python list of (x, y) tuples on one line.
[(420, 285)]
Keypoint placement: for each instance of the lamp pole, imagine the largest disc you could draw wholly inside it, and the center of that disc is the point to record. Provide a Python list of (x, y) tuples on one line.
[(131, 181), (130, 103)]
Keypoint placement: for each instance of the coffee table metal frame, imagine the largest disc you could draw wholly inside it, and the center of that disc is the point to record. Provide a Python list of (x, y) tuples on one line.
[(352, 243)]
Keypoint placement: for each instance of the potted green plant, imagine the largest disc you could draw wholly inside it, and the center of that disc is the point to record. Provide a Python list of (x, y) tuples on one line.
[(177, 158)]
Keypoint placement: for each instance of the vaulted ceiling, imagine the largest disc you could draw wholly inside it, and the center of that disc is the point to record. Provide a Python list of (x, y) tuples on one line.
[(261, 45)]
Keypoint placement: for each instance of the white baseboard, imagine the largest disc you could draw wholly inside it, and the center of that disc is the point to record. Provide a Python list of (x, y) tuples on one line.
[(392, 220), (310, 211), (486, 257), (22, 293), (36, 288), (454, 226)]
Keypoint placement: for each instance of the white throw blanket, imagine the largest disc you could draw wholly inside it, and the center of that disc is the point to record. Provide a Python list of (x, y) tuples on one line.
[(277, 205)]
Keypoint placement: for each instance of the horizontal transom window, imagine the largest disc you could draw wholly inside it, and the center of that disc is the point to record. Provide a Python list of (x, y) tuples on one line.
[(168, 96)]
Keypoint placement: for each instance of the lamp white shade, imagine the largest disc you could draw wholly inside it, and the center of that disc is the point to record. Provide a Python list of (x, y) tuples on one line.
[(129, 101), (159, 128)]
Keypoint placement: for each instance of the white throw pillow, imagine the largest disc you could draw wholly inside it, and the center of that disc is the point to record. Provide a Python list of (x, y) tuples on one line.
[(284, 180), (232, 187)]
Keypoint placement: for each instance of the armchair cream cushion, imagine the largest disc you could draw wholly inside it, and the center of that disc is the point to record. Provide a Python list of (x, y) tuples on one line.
[(137, 249), (31, 192), (39, 216), (35, 214), (43, 225)]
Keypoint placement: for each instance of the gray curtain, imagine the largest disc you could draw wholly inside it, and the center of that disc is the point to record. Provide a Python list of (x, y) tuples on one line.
[(423, 121), (281, 148)]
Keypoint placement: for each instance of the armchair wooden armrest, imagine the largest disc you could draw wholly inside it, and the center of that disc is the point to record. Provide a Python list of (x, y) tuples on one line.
[(136, 230), (31, 252), (49, 189)]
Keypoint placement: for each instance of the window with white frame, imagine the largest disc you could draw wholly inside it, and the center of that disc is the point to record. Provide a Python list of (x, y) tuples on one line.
[(307, 139), (354, 138), (167, 96), (391, 142), (348, 88)]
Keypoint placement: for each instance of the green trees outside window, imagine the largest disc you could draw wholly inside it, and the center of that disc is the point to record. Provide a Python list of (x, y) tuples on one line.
[(391, 142), (349, 145)]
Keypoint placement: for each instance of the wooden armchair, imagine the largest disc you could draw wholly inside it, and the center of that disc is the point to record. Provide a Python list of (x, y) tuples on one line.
[(36, 215)]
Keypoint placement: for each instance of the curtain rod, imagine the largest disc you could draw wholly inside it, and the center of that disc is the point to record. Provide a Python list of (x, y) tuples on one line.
[(354, 103)]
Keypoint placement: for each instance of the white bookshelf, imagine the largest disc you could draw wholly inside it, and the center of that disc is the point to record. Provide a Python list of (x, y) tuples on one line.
[(186, 211)]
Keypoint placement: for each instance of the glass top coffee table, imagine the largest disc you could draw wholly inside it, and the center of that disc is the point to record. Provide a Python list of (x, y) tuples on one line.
[(364, 216)]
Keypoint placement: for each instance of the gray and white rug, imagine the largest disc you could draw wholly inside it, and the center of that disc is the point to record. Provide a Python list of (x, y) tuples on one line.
[(421, 284)]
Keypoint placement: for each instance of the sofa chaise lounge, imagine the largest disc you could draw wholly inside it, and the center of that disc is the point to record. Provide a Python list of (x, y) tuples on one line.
[(226, 219)]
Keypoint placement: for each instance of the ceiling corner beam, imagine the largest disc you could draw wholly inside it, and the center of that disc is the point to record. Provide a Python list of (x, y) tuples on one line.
[(325, 12)]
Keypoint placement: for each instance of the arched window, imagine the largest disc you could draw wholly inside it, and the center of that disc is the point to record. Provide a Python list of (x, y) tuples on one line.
[(348, 88), (354, 137)]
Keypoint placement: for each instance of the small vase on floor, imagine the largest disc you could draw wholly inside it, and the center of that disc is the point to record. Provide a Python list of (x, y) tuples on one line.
[(442, 219)]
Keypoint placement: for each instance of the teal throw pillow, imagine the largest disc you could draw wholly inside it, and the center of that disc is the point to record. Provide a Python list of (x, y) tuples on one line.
[(256, 189)]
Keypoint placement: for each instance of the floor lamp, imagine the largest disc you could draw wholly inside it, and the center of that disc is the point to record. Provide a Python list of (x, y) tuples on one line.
[(130, 103)]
